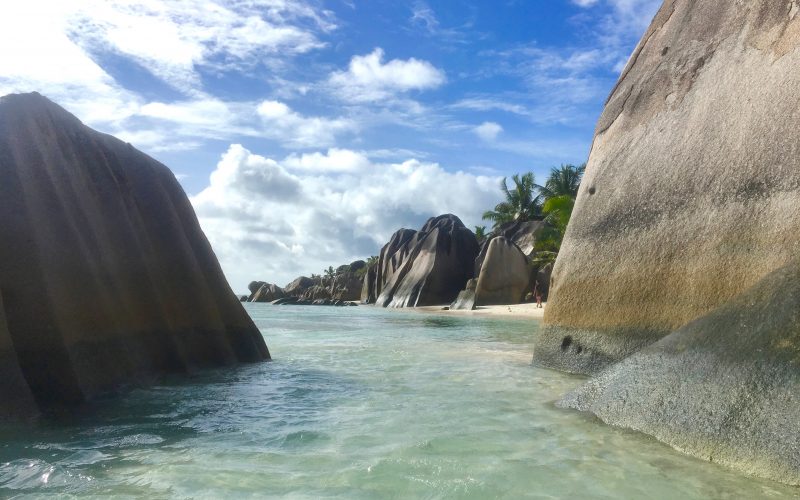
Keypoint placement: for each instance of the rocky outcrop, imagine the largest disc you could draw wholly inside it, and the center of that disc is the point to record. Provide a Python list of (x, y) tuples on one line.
[(368, 295), (466, 297), (691, 192), (504, 276), (725, 387), (684, 240), (299, 286), (347, 283), (428, 267), (267, 292), (105, 275)]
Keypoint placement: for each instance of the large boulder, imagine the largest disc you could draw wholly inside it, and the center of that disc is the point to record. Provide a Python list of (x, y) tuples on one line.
[(428, 267), (268, 292), (107, 279), (725, 387), (368, 295), (298, 287), (692, 192), (466, 297), (504, 276), (688, 221)]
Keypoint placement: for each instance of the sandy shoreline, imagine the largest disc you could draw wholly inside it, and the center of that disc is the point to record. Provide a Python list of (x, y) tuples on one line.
[(508, 311)]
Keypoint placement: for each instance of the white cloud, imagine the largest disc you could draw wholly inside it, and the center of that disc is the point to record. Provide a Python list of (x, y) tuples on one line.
[(52, 46), (174, 38), (368, 78), (294, 129), (488, 131), (277, 219), (585, 3)]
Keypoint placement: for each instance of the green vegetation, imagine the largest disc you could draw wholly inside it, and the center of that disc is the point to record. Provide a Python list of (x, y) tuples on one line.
[(522, 203), (480, 233), (553, 203)]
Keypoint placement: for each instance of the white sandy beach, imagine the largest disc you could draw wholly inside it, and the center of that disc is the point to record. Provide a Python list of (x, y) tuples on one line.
[(512, 311)]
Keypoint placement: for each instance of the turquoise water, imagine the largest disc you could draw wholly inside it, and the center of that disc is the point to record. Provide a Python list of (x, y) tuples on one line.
[(359, 403)]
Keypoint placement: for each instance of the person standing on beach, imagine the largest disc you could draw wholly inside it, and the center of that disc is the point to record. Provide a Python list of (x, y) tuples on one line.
[(538, 294)]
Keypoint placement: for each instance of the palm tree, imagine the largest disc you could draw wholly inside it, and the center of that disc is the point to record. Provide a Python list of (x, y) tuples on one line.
[(522, 203), (480, 233), (563, 181), (560, 192)]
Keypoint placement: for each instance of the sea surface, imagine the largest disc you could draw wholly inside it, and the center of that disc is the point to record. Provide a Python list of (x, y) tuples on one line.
[(359, 402)]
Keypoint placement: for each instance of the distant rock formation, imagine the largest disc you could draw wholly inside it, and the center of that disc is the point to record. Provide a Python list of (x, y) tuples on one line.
[(105, 275), (504, 275), (368, 287), (267, 292), (426, 267), (684, 241), (299, 286), (466, 297)]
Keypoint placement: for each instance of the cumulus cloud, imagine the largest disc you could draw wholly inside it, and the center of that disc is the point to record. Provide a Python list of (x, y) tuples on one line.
[(368, 78), (277, 219), (488, 131), (56, 47), (294, 129)]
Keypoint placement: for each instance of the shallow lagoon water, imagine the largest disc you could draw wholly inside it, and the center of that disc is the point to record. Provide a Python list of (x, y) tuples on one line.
[(359, 403)]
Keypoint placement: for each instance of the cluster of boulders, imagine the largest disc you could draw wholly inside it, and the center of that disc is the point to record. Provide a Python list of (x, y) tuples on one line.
[(428, 267), (433, 265), (506, 270), (341, 286)]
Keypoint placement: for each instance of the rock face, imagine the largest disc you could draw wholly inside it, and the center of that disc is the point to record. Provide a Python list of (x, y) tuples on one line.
[(504, 276), (466, 297), (684, 241), (368, 286), (105, 275), (426, 267), (297, 287), (725, 387), (691, 191), (267, 292)]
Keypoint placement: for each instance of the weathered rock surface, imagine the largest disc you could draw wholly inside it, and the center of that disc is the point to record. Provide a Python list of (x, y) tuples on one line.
[(428, 267), (105, 275), (298, 287), (466, 297), (692, 191), (267, 292), (504, 277), (725, 387), (348, 281), (688, 221), (368, 295)]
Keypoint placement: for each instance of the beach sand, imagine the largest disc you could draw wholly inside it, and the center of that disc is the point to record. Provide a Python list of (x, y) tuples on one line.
[(509, 311)]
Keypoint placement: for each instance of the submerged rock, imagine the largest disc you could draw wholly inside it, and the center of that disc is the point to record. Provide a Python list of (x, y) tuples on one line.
[(725, 387), (688, 221), (106, 277), (504, 276), (428, 267)]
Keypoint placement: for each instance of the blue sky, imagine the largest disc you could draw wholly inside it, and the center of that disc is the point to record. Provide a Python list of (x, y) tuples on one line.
[(307, 131)]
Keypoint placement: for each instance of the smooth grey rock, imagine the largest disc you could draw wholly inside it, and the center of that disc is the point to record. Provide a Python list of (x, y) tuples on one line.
[(692, 191), (297, 287), (267, 292), (504, 274), (107, 278), (430, 267), (725, 387)]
